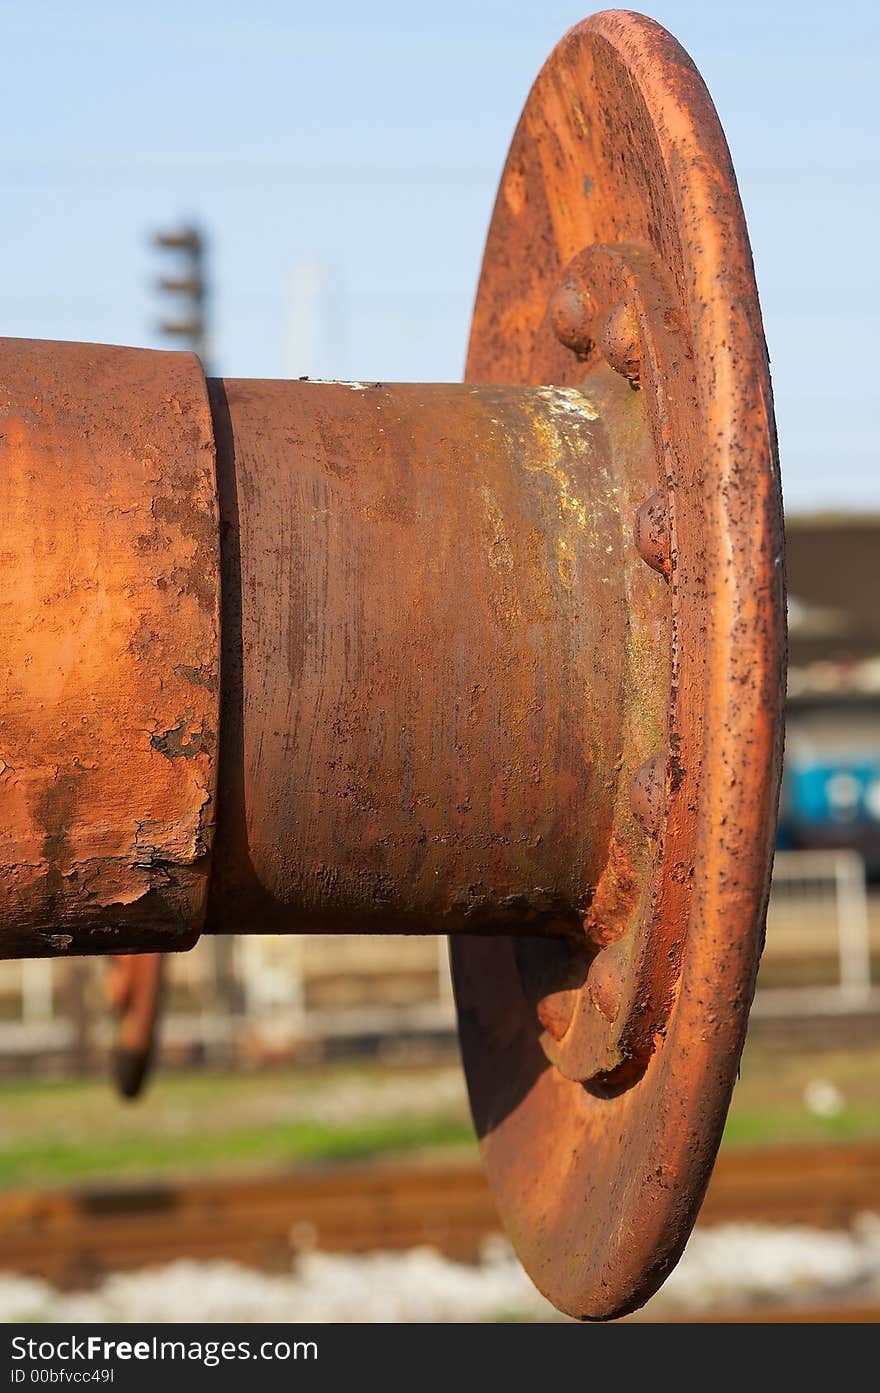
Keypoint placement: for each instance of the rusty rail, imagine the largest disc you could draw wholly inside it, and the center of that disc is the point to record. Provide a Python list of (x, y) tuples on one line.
[(74, 1235)]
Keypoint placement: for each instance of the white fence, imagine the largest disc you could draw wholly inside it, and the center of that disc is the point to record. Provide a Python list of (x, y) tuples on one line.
[(265, 995), (255, 995), (819, 912)]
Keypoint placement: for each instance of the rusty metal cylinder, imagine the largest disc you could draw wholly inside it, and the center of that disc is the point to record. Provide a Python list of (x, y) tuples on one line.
[(109, 648), (371, 641), (423, 656)]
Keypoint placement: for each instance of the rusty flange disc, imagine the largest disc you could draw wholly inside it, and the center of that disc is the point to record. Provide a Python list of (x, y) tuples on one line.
[(600, 1084)]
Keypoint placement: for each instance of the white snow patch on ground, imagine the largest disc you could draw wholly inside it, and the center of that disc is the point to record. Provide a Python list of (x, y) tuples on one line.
[(731, 1266), (747, 1264)]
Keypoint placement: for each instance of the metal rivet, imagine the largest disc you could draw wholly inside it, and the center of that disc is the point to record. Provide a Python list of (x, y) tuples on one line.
[(651, 534), (619, 342), (555, 1013), (606, 984), (571, 314)]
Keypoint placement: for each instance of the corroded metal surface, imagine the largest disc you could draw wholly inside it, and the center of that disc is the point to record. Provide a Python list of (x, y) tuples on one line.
[(618, 241), (502, 660), (108, 629), (431, 612)]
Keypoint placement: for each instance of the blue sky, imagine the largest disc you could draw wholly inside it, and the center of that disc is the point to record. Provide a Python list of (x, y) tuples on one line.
[(344, 159)]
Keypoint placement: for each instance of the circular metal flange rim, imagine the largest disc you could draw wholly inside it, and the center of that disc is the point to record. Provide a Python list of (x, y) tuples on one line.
[(619, 142)]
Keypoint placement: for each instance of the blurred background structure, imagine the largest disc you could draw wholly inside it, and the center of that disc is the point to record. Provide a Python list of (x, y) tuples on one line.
[(290, 190), (343, 161)]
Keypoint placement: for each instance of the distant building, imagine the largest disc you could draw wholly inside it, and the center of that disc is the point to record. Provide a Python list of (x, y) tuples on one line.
[(831, 789)]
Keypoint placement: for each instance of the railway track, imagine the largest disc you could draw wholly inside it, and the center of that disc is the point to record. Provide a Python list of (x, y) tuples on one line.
[(72, 1236), (856, 1314)]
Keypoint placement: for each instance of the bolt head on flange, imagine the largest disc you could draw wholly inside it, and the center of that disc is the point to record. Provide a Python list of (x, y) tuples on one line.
[(619, 342), (651, 534), (572, 312)]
